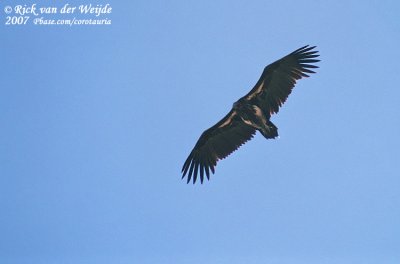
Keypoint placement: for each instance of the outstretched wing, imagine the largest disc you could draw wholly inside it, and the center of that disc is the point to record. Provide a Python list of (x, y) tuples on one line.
[(214, 144), (279, 78)]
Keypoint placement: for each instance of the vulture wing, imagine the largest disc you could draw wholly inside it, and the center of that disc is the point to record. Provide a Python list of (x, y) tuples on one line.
[(278, 79), (216, 143)]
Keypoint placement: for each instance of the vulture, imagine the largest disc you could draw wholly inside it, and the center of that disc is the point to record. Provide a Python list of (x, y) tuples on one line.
[(250, 113)]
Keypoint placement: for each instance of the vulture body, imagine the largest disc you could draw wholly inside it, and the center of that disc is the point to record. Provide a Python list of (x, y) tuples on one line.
[(250, 113)]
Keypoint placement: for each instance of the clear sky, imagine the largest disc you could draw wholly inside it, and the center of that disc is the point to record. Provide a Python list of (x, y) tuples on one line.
[(98, 120)]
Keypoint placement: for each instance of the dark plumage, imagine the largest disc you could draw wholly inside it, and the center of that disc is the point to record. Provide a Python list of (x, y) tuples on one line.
[(250, 113)]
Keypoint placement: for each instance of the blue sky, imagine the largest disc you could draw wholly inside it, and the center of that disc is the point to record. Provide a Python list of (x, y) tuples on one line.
[(98, 120)]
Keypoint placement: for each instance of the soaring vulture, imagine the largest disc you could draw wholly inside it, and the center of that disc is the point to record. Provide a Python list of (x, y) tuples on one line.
[(250, 113)]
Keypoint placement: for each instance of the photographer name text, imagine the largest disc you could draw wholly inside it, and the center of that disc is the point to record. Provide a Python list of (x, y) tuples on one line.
[(85, 14), (66, 9)]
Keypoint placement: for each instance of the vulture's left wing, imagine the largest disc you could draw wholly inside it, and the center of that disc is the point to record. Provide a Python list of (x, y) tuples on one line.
[(216, 143)]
